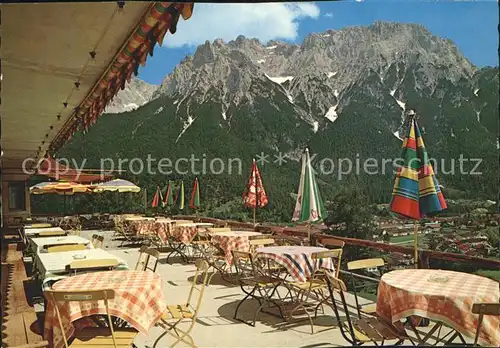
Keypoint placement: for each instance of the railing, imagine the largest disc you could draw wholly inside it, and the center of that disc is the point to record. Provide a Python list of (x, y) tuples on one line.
[(424, 255)]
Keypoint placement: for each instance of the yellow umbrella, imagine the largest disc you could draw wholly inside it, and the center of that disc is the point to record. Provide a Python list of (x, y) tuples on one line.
[(61, 188)]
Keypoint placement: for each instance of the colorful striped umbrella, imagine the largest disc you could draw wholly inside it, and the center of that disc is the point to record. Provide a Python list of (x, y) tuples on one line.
[(416, 191), (194, 202), (180, 196), (169, 197), (309, 206), (255, 195), (156, 198)]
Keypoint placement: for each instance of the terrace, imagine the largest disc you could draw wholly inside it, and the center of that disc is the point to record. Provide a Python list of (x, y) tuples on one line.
[(68, 94), (217, 310)]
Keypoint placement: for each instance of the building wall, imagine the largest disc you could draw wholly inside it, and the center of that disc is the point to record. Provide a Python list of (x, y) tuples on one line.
[(10, 173)]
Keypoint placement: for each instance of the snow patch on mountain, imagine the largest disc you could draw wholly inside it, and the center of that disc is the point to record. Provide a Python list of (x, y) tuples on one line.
[(160, 109), (331, 114), (187, 124), (331, 74), (260, 61), (279, 79), (396, 134)]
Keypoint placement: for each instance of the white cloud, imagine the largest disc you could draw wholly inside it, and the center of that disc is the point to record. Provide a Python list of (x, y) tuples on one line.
[(329, 14), (226, 21)]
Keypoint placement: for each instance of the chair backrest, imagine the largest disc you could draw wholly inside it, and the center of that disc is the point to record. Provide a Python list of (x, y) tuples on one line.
[(243, 262), (337, 285), (51, 233), (183, 221), (145, 254), (65, 247), (93, 265), (98, 241), (78, 296), (218, 229), (365, 264), (332, 243), (484, 309), (257, 243), (41, 225), (199, 287), (334, 254)]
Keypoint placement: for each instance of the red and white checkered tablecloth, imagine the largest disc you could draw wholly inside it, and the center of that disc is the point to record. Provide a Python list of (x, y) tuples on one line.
[(440, 295), (138, 300), (140, 227), (296, 259), (184, 233), (163, 228), (234, 240)]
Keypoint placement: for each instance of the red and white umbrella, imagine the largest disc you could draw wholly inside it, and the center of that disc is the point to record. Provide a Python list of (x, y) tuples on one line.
[(255, 195)]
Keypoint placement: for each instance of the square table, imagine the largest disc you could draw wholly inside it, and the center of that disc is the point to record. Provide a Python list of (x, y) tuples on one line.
[(38, 244), (52, 266)]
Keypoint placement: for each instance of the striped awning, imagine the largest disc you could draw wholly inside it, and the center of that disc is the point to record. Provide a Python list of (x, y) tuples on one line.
[(160, 18)]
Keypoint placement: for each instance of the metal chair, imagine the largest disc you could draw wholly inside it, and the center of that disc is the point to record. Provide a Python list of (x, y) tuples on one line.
[(92, 265), (367, 265), (179, 313), (363, 330), (145, 254), (311, 294), (92, 336), (262, 286), (484, 309)]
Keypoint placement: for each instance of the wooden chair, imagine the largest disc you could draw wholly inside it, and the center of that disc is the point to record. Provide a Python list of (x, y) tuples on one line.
[(218, 229), (312, 294), (145, 254), (365, 264), (484, 309), (97, 241), (41, 344), (41, 225), (363, 330), (51, 233), (92, 265), (260, 242), (65, 247), (188, 311), (92, 336), (255, 283)]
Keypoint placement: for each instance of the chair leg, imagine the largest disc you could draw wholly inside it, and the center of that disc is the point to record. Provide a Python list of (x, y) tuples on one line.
[(249, 294)]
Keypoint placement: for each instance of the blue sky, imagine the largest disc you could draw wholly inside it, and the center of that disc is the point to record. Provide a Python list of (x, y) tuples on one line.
[(472, 25)]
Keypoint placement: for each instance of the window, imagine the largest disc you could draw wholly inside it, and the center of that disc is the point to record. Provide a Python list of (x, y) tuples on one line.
[(17, 195)]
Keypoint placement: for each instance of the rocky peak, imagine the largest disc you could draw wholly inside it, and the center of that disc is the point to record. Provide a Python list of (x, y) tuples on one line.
[(135, 94)]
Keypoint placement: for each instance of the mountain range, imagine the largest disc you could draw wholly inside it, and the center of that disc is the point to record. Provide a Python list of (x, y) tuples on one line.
[(343, 93)]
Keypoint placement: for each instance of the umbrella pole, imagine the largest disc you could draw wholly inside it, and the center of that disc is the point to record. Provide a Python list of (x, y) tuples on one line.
[(415, 243), (254, 212), (309, 232)]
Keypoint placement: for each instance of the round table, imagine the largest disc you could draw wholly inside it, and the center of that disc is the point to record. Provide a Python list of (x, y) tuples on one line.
[(233, 240), (138, 300), (440, 295), (296, 259)]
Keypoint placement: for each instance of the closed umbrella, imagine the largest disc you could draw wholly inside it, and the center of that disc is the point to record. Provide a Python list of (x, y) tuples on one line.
[(309, 206), (180, 197), (194, 202), (156, 198), (416, 192), (255, 195), (169, 197)]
